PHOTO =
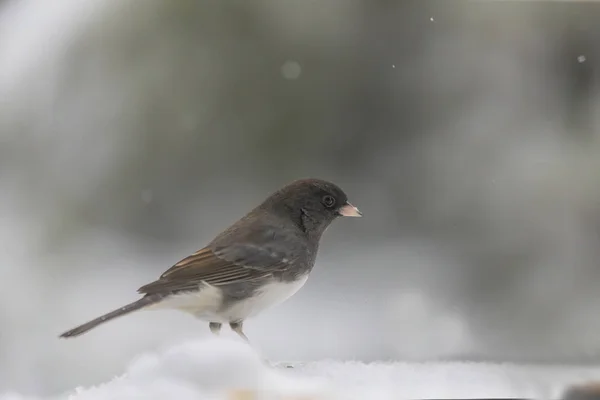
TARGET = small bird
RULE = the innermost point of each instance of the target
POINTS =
(259, 261)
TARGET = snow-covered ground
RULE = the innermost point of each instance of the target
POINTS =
(220, 368)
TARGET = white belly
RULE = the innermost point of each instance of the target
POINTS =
(270, 295)
(207, 303)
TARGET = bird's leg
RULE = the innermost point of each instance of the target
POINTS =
(215, 328)
(238, 327)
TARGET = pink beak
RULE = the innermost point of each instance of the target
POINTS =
(348, 210)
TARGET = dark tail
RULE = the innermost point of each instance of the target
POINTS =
(136, 305)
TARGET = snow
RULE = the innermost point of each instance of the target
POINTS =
(220, 369)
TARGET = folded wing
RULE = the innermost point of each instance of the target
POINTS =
(234, 263)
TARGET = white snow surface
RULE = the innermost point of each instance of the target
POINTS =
(219, 368)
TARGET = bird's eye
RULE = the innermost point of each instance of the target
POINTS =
(328, 201)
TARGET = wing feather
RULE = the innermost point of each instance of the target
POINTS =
(232, 257)
(205, 266)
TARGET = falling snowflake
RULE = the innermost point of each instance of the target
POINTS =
(291, 70)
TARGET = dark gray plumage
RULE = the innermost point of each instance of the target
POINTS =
(259, 261)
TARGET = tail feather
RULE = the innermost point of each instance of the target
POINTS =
(136, 305)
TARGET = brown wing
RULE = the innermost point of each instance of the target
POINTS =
(204, 266)
(201, 267)
(231, 258)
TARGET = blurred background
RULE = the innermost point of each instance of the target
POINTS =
(467, 132)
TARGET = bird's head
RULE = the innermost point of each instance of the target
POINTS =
(311, 203)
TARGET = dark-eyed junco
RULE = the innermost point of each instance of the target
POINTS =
(259, 261)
